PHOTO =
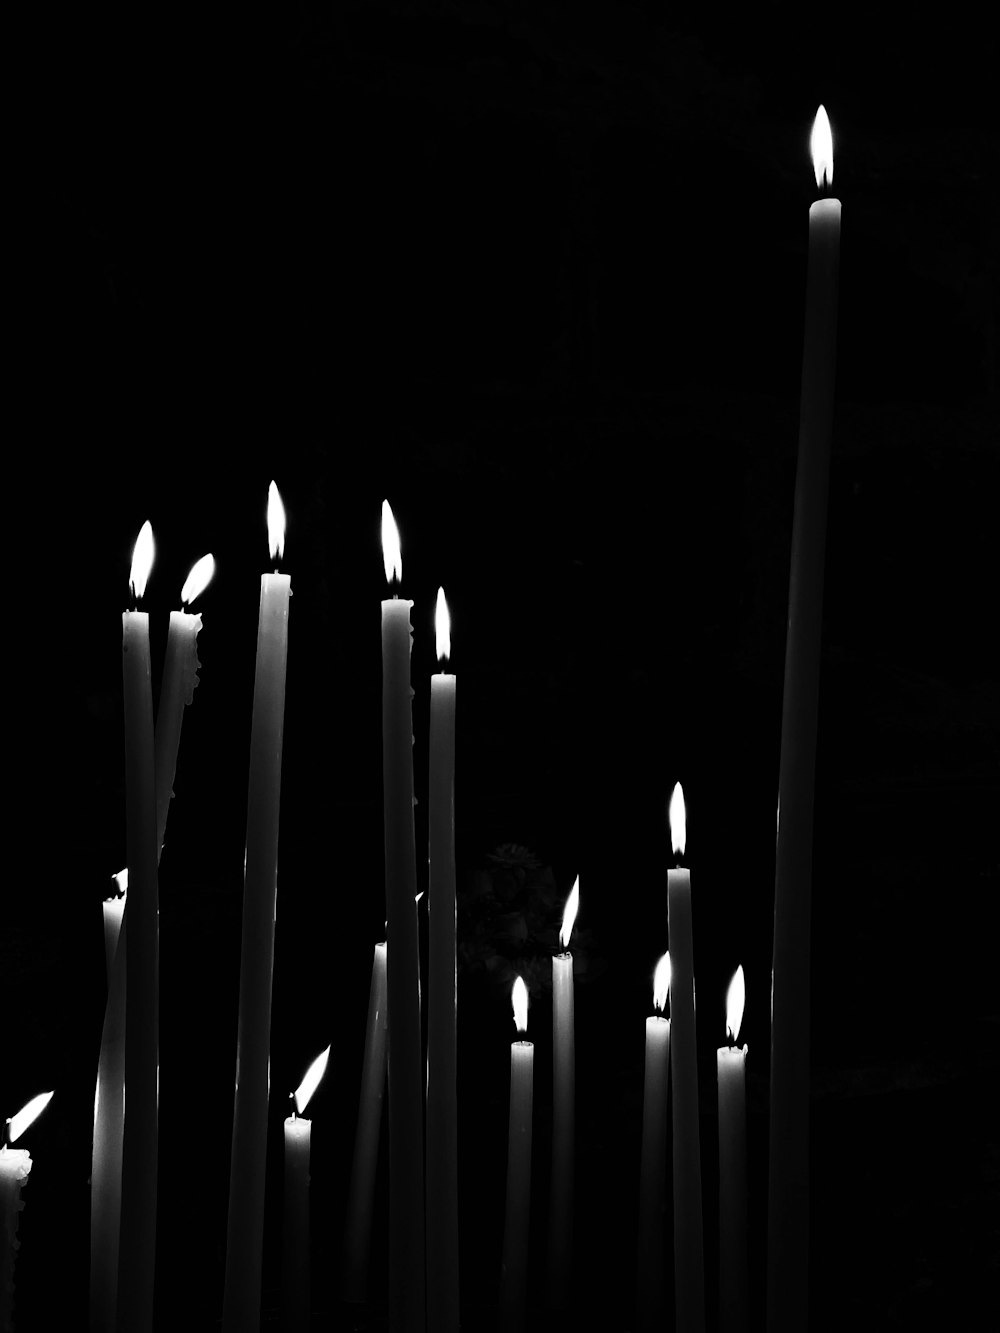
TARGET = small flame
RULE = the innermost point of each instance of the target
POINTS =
(678, 820)
(442, 627)
(27, 1115)
(142, 560)
(569, 914)
(198, 579)
(275, 523)
(392, 556)
(661, 983)
(305, 1090)
(821, 147)
(519, 1000)
(735, 1000)
(121, 881)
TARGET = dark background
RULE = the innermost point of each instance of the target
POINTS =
(534, 272)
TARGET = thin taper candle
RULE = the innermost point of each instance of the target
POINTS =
(296, 1304)
(517, 1215)
(734, 1314)
(650, 1308)
(559, 1270)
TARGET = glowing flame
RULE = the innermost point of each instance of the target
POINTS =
(569, 914)
(142, 560)
(305, 1090)
(442, 627)
(821, 147)
(27, 1115)
(275, 523)
(678, 820)
(121, 880)
(519, 1001)
(735, 1000)
(198, 579)
(392, 556)
(661, 983)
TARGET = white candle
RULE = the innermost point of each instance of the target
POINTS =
(514, 1264)
(689, 1261)
(442, 999)
(406, 1091)
(650, 1313)
(733, 1282)
(137, 1247)
(295, 1295)
(560, 1240)
(15, 1167)
(788, 1183)
(244, 1240)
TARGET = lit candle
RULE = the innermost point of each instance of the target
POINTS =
(689, 1270)
(442, 998)
(357, 1235)
(406, 1092)
(137, 1246)
(295, 1298)
(732, 1059)
(15, 1167)
(650, 1313)
(244, 1240)
(514, 1265)
(560, 1246)
(788, 1184)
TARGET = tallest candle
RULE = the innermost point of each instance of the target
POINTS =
(788, 1177)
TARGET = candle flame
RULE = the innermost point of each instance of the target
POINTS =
(519, 1001)
(121, 882)
(142, 560)
(678, 820)
(392, 555)
(735, 1002)
(821, 147)
(305, 1090)
(275, 523)
(661, 983)
(569, 914)
(198, 579)
(27, 1115)
(442, 627)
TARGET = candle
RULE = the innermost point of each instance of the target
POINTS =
(244, 1240)
(15, 1167)
(788, 1183)
(733, 1284)
(137, 1245)
(406, 1092)
(295, 1297)
(357, 1236)
(689, 1273)
(560, 1240)
(650, 1314)
(514, 1265)
(442, 999)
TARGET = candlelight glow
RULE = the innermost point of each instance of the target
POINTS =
(121, 882)
(442, 627)
(199, 578)
(519, 1000)
(27, 1115)
(309, 1084)
(678, 820)
(392, 556)
(142, 560)
(821, 147)
(661, 983)
(735, 1002)
(569, 914)
(275, 523)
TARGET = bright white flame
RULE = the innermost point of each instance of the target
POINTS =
(198, 579)
(121, 879)
(569, 914)
(678, 820)
(661, 983)
(736, 998)
(27, 1115)
(309, 1084)
(275, 523)
(392, 556)
(142, 560)
(442, 627)
(519, 1000)
(821, 147)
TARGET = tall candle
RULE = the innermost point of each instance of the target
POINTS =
(733, 1282)
(560, 1240)
(442, 999)
(689, 1262)
(357, 1235)
(295, 1294)
(137, 1244)
(15, 1167)
(788, 1176)
(514, 1264)
(650, 1312)
(406, 1092)
(244, 1240)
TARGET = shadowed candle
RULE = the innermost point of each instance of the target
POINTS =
(295, 1296)
(560, 1240)
(650, 1312)
(517, 1217)
(733, 1280)
(15, 1167)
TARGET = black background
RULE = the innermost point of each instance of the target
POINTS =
(535, 273)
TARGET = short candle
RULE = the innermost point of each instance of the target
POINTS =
(15, 1167)
(650, 1316)
(560, 1247)
(733, 1281)
(295, 1294)
(517, 1218)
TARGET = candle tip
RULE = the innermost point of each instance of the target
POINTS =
(735, 1004)
(519, 1002)
(569, 914)
(442, 627)
(142, 560)
(303, 1093)
(27, 1115)
(821, 147)
(677, 815)
(392, 556)
(198, 579)
(661, 983)
(275, 523)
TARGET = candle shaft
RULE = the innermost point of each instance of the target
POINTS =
(650, 1311)
(295, 1298)
(180, 676)
(560, 1231)
(15, 1167)
(733, 1280)
(514, 1265)
(109, 1128)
